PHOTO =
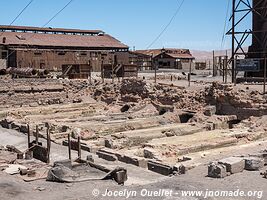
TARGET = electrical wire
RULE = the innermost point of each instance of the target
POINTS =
(57, 13)
(52, 18)
(225, 25)
(167, 26)
(22, 11)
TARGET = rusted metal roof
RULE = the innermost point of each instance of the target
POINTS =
(49, 29)
(175, 53)
(60, 40)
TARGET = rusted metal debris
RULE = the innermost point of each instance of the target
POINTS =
(24, 72)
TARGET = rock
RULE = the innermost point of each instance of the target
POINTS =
(14, 169)
(40, 188)
(253, 163)
(210, 110)
(90, 158)
(216, 170)
(264, 174)
(75, 133)
(109, 143)
(169, 133)
(181, 169)
(151, 154)
(233, 164)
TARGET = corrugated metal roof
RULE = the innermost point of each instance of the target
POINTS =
(175, 53)
(61, 40)
(49, 29)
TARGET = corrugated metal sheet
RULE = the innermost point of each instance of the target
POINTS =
(61, 40)
(49, 29)
(175, 53)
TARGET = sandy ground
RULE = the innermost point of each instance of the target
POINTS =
(13, 188)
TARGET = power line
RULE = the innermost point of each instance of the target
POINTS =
(22, 11)
(166, 27)
(225, 25)
(53, 17)
(58, 13)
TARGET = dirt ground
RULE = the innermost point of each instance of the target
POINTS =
(168, 123)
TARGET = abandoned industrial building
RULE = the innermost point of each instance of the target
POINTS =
(167, 58)
(55, 49)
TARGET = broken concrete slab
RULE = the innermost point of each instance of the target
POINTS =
(233, 164)
(253, 163)
(216, 170)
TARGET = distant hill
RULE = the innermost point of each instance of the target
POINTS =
(203, 56)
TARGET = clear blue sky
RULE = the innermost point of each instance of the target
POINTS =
(199, 24)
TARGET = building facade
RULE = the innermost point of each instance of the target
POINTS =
(53, 48)
(170, 58)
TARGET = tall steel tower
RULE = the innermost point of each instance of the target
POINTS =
(241, 11)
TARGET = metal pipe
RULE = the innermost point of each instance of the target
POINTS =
(22, 71)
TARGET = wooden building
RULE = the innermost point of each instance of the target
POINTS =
(55, 48)
(170, 58)
(143, 61)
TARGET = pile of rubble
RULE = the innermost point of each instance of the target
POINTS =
(227, 94)
(132, 90)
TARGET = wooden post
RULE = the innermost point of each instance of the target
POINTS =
(69, 146)
(226, 69)
(79, 148)
(213, 66)
(37, 135)
(102, 71)
(264, 84)
(155, 68)
(29, 135)
(48, 143)
(190, 71)
(112, 73)
(90, 71)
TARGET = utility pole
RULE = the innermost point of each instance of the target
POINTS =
(155, 68)
(190, 72)
(213, 66)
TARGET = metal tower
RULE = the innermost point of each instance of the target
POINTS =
(241, 10)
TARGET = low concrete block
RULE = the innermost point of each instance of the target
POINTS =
(160, 168)
(216, 170)
(106, 156)
(253, 163)
(133, 160)
(262, 155)
(233, 164)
